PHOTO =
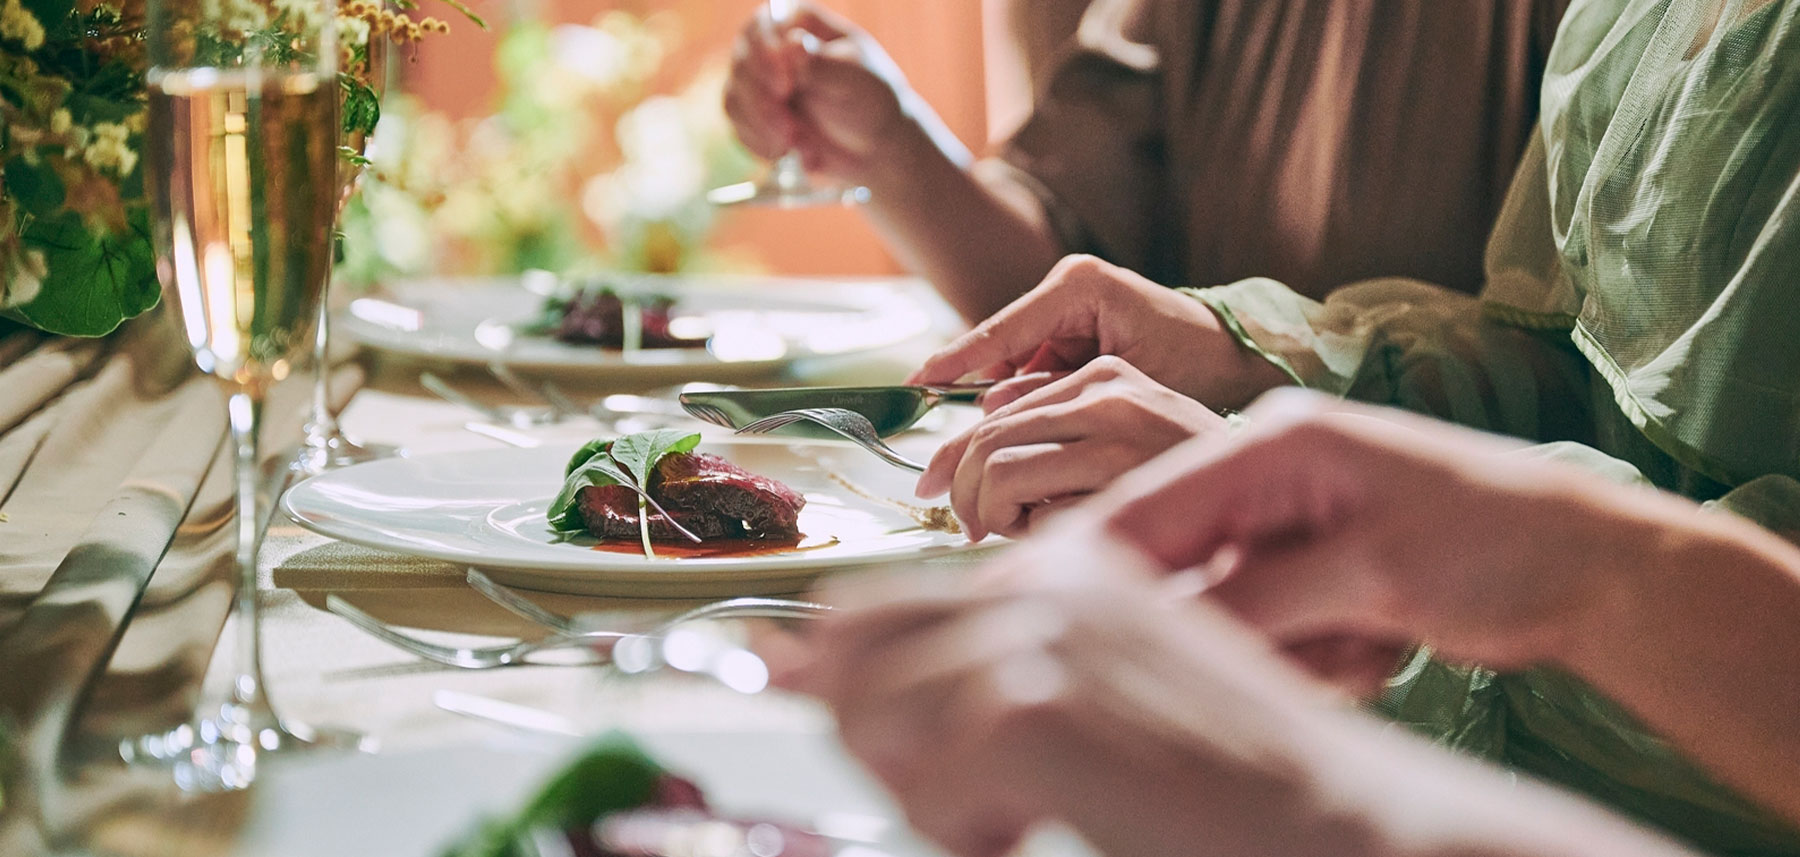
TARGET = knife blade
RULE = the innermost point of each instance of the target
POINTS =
(891, 409)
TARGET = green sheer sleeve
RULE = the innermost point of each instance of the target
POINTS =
(1415, 346)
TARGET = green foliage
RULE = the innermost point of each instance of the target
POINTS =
(362, 106)
(611, 775)
(54, 15)
(34, 186)
(467, 12)
(72, 203)
(96, 280)
(626, 461)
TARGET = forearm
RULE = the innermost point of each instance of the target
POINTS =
(981, 250)
(1354, 789)
(1702, 641)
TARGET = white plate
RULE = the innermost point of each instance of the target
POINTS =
(758, 324)
(486, 509)
(418, 804)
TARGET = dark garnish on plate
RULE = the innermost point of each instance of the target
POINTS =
(615, 801)
(653, 486)
(603, 316)
(611, 775)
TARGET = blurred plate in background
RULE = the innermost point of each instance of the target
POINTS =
(757, 325)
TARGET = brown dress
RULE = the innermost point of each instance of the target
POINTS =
(1317, 142)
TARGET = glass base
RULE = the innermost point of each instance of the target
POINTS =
(338, 450)
(220, 751)
(775, 195)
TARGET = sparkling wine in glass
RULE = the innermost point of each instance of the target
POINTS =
(786, 184)
(325, 446)
(241, 169)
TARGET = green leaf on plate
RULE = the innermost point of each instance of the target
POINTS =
(640, 452)
(626, 461)
(587, 451)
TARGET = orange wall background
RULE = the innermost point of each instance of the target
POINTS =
(939, 44)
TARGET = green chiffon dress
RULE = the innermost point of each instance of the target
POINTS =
(1641, 315)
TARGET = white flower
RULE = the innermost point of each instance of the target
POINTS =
(663, 170)
(353, 32)
(24, 279)
(301, 12)
(110, 149)
(17, 23)
(596, 55)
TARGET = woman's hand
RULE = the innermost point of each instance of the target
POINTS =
(1045, 445)
(1335, 525)
(820, 85)
(1087, 308)
(1151, 723)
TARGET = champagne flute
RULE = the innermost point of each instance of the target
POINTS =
(786, 184)
(326, 447)
(241, 165)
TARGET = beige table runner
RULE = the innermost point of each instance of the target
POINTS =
(111, 460)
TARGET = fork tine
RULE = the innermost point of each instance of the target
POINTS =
(519, 605)
(770, 423)
(849, 424)
(463, 658)
(443, 390)
(561, 401)
(705, 412)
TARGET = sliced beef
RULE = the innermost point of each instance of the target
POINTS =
(611, 512)
(710, 496)
(699, 481)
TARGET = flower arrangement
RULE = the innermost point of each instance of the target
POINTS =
(597, 156)
(75, 254)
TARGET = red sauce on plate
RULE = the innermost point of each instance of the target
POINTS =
(721, 548)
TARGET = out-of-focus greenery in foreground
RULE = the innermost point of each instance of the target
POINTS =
(612, 774)
(597, 157)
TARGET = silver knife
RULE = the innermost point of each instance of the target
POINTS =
(506, 713)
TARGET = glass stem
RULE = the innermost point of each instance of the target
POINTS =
(323, 425)
(247, 681)
(789, 173)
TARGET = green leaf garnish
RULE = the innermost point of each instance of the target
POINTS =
(626, 461)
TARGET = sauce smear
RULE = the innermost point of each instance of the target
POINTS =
(720, 548)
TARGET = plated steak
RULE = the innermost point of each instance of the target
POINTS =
(597, 317)
(712, 497)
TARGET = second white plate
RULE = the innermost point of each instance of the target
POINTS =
(758, 324)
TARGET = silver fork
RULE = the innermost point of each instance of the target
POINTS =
(521, 606)
(711, 413)
(584, 644)
(848, 423)
(580, 648)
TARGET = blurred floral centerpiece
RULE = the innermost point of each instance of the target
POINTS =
(75, 254)
(597, 156)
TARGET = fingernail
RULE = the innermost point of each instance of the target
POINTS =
(930, 485)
